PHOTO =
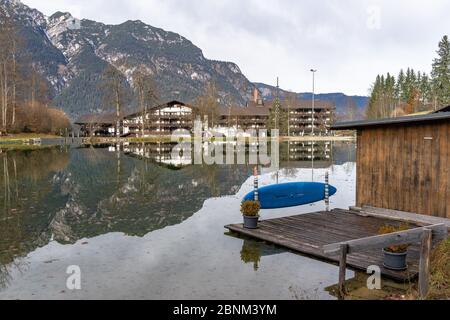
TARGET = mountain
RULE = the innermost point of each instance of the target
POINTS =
(72, 55)
(341, 100)
(36, 45)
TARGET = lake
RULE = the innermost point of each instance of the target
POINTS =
(142, 225)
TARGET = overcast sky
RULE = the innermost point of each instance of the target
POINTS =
(348, 42)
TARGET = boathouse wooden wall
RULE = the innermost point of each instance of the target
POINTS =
(405, 167)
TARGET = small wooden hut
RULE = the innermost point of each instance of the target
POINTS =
(404, 163)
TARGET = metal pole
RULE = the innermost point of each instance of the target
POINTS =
(327, 191)
(277, 104)
(312, 161)
(313, 100)
(256, 184)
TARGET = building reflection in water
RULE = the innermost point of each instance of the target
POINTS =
(159, 152)
(310, 150)
(67, 194)
(319, 154)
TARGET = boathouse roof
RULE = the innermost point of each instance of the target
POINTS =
(418, 119)
(444, 109)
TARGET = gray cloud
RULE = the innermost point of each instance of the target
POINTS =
(344, 40)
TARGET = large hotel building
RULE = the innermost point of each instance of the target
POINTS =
(163, 120)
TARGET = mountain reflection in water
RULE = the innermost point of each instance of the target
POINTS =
(66, 194)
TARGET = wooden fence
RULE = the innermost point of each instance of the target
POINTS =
(428, 236)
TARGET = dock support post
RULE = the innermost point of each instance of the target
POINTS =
(424, 266)
(256, 184)
(342, 270)
(327, 191)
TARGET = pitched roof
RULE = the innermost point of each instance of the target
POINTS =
(304, 104)
(251, 110)
(444, 109)
(170, 103)
(103, 118)
(254, 109)
(419, 119)
(111, 118)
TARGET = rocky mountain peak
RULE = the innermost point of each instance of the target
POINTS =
(73, 55)
(23, 13)
(61, 22)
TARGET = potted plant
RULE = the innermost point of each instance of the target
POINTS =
(250, 211)
(395, 256)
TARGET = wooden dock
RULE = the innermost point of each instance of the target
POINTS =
(308, 233)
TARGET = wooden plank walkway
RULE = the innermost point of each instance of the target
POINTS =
(308, 233)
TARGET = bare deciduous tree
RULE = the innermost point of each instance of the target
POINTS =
(24, 94)
(37, 87)
(208, 104)
(351, 110)
(146, 91)
(114, 88)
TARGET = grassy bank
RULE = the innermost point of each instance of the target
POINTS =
(21, 141)
(14, 146)
(23, 138)
(440, 272)
(439, 276)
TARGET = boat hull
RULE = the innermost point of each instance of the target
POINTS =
(290, 194)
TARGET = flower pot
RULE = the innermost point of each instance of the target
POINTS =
(251, 222)
(395, 261)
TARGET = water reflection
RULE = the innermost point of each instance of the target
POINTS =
(160, 153)
(63, 195)
(323, 153)
(26, 191)
(66, 195)
(252, 251)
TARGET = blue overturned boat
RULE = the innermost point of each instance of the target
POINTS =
(291, 194)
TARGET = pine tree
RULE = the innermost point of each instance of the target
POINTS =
(441, 74)
(399, 86)
(425, 91)
(412, 91)
(373, 110)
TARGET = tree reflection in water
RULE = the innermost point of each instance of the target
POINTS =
(26, 184)
(67, 194)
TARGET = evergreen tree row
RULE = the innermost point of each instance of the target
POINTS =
(411, 91)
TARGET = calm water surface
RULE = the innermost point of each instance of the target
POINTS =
(141, 225)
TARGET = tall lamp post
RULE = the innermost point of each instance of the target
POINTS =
(313, 100)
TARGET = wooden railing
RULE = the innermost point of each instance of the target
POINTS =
(427, 235)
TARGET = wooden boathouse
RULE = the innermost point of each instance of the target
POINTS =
(403, 163)
(403, 175)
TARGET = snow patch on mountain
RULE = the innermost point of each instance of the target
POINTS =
(60, 23)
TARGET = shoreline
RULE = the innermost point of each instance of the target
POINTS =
(107, 140)
(35, 140)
